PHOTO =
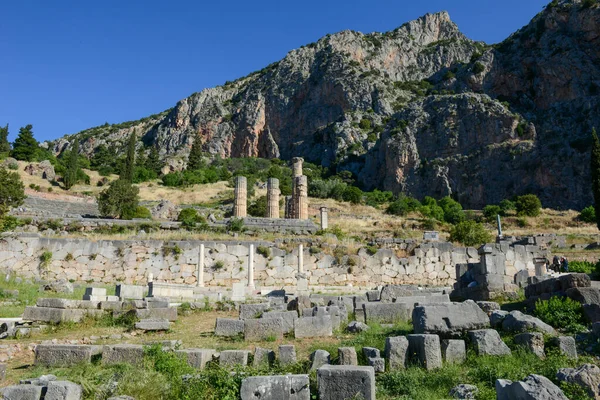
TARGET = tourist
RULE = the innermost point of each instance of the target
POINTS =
(564, 264)
(555, 264)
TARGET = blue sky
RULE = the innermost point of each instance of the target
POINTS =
(70, 64)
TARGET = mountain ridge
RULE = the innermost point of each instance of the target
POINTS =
(446, 115)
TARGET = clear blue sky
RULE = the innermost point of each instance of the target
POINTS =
(71, 64)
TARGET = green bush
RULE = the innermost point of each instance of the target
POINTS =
(377, 197)
(403, 206)
(507, 205)
(588, 215)
(189, 218)
(528, 205)
(432, 211)
(352, 194)
(142, 213)
(264, 251)
(236, 225)
(453, 211)
(258, 208)
(478, 68)
(490, 212)
(470, 233)
(562, 313)
(365, 124)
(584, 267)
(8, 223)
(120, 200)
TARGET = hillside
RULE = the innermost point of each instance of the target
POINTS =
(421, 109)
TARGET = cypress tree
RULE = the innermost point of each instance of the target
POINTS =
(4, 145)
(595, 170)
(153, 161)
(70, 177)
(195, 160)
(127, 174)
(25, 147)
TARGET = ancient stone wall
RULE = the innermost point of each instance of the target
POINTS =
(131, 261)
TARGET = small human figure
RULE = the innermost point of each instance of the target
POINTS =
(555, 264)
(565, 264)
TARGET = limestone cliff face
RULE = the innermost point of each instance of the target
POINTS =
(488, 122)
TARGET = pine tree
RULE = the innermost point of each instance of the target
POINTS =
(70, 177)
(153, 162)
(4, 144)
(25, 147)
(127, 174)
(195, 159)
(595, 169)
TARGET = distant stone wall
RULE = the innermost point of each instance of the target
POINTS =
(131, 261)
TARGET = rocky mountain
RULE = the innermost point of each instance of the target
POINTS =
(421, 109)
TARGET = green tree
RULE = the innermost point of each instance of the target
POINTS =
(120, 200)
(128, 168)
(4, 144)
(195, 159)
(470, 233)
(258, 208)
(70, 176)
(12, 191)
(153, 161)
(528, 205)
(25, 147)
(453, 211)
(595, 169)
(353, 194)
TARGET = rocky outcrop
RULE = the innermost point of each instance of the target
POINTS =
(446, 115)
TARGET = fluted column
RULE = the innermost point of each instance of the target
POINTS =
(301, 203)
(273, 198)
(240, 198)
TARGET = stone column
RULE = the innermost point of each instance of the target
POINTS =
(251, 267)
(200, 274)
(324, 221)
(272, 198)
(289, 200)
(301, 203)
(300, 259)
(240, 198)
(297, 166)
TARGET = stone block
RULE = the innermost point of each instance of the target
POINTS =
(282, 387)
(63, 390)
(157, 302)
(123, 354)
(197, 358)
(319, 358)
(132, 292)
(289, 319)
(565, 344)
(454, 351)
(67, 304)
(249, 311)
(377, 363)
(57, 315)
(229, 358)
(533, 387)
(373, 295)
(344, 382)
(2, 372)
(263, 358)
(263, 329)
(591, 312)
(347, 356)
(586, 376)
(169, 314)
(307, 327)
(426, 350)
(488, 342)
(396, 352)
(287, 354)
(111, 305)
(386, 313)
(153, 325)
(585, 295)
(497, 317)
(238, 291)
(229, 327)
(64, 355)
(22, 392)
(516, 321)
(488, 306)
(449, 319)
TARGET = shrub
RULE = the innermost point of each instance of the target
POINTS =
(142, 213)
(236, 225)
(432, 211)
(449, 75)
(453, 211)
(352, 194)
(189, 218)
(219, 265)
(470, 233)
(365, 124)
(12, 191)
(507, 205)
(8, 223)
(258, 208)
(478, 68)
(45, 258)
(490, 212)
(403, 206)
(372, 250)
(264, 251)
(377, 197)
(13, 166)
(528, 205)
(584, 267)
(563, 313)
(588, 215)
